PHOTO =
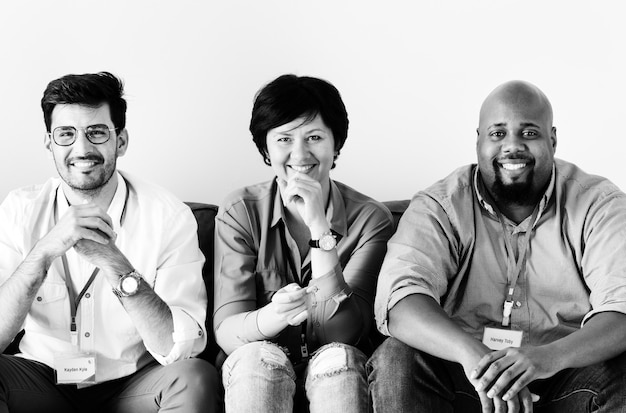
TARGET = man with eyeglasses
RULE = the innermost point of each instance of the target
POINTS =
(102, 271)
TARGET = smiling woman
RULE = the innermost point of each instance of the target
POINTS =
(298, 262)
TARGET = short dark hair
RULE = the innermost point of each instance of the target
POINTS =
(290, 97)
(90, 89)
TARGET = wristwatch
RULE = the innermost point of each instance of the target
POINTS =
(327, 242)
(128, 284)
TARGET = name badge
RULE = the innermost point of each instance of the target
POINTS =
(498, 338)
(75, 368)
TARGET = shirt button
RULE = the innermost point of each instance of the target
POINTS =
(39, 298)
(87, 334)
(518, 304)
(317, 324)
(87, 295)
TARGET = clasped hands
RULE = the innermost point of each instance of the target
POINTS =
(501, 378)
(89, 230)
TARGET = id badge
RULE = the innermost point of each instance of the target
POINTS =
(499, 338)
(75, 368)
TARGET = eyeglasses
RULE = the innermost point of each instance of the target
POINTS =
(96, 134)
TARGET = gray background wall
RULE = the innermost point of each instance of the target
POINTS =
(412, 73)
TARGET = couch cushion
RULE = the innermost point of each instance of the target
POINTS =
(205, 216)
(397, 208)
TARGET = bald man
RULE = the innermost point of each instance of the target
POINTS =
(504, 287)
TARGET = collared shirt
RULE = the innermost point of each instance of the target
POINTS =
(449, 245)
(255, 255)
(155, 231)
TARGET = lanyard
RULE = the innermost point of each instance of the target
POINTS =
(514, 267)
(75, 300)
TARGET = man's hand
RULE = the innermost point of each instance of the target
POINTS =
(522, 401)
(81, 222)
(506, 372)
(107, 257)
(306, 193)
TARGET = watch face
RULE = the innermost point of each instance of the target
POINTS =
(327, 242)
(129, 285)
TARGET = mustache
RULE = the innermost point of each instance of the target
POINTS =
(89, 157)
(512, 157)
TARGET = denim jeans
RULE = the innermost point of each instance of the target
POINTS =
(403, 379)
(184, 386)
(258, 377)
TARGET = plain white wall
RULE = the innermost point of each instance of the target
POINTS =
(412, 74)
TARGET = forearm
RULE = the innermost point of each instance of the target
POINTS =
(17, 295)
(243, 328)
(420, 322)
(150, 315)
(601, 338)
(322, 261)
(152, 318)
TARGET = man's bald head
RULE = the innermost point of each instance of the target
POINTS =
(516, 143)
(520, 95)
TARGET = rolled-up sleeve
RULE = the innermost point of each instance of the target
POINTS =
(180, 285)
(421, 257)
(235, 263)
(604, 257)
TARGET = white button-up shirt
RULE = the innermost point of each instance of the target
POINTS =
(158, 235)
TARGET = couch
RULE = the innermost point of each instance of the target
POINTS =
(205, 216)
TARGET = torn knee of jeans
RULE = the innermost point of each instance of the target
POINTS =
(273, 358)
(330, 362)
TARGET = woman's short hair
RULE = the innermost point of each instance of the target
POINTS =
(290, 97)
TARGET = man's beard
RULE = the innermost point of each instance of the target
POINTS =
(519, 193)
(90, 187)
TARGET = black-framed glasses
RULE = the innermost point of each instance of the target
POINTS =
(96, 134)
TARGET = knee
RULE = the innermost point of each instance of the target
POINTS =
(196, 374)
(334, 359)
(198, 380)
(257, 357)
(200, 373)
(393, 358)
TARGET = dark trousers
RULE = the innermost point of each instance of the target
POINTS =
(184, 386)
(403, 379)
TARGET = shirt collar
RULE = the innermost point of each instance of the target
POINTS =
(542, 204)
(335, 212)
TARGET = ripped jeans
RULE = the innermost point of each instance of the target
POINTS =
(259, 377)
